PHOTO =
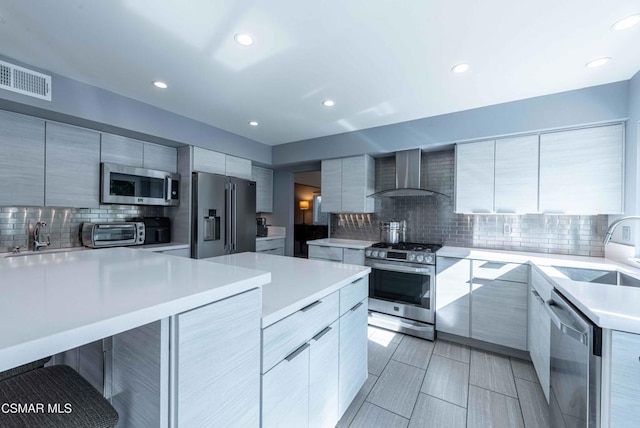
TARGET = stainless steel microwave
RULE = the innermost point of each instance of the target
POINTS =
(129, 185)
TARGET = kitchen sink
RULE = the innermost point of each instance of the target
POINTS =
(597, 276)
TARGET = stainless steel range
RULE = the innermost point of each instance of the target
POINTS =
(402, 287)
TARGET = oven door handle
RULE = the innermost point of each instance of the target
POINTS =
(403, 269)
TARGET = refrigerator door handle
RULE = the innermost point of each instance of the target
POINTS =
(234, 225)
(228, 238)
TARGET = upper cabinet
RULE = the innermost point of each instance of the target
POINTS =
(22, 160)
(475, 177)
(569, 172)
(264, 189)
(72, 167)
(218, 163)
(346, 184)
(581, 171)
(127, 151)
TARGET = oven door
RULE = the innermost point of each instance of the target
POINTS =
(405, 290)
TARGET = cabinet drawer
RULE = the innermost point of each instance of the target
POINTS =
(353, 257)
(541, 285)
(283, 337)
(269, 244)
(513, 272)
(325, 253)
(353, 293)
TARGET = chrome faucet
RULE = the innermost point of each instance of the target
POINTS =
(37, 236)
(615, 224)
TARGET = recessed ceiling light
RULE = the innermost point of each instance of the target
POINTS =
(598, 62)
(253, 123)
(627, 22)
(243, 39)
(328, 103)
(159, 84)
(460, 68)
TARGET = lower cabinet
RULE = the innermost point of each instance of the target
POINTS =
(539, 329)
(324, 378)
(453, 295)
(353, 354)
(351, 256)
(625, 380)
(270, 246)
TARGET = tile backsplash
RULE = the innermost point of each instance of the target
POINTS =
(432, 218)
(16, 223)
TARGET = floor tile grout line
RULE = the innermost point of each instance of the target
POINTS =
(491, 390)
(517, 394)
(446, 401)
(387, 410)
(421, 383)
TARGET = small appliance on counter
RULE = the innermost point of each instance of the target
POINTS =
(99, 235)
(261, 227)
(157, 229)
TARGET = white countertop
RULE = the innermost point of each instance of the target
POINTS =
(342, 243)
(608, 306)
(165, 247)
(295, 282)
(268, 238)
(58, 301)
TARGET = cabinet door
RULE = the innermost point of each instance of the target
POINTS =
(358, 178)
(323, 378)
(453, 295)
(499, 312)
(353, 354)
(353, 257)
(160, 157)
(218, 363)
(331, 183)
(264, 189)
(208, 161)
(22, 160)
(475, 177)
(121, 150)
(625, 380)
(516, 175)
(72, 167)
(539, 338)
(285, 392)
(238, 167)
(581, 171)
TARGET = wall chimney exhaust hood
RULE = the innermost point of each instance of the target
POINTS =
(407, 177)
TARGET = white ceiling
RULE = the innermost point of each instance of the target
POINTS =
(382, 61)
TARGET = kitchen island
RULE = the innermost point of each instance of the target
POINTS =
(314, 337)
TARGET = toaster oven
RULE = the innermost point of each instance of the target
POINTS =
(99, 235)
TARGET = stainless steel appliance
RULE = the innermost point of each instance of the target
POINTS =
(224, 215)
(402, 287)
(261, 227)
(157, 229)
(130, 185)
(392, 232)
(576, 366)
(99, 235)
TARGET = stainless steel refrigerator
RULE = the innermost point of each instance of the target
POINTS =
(224, 215)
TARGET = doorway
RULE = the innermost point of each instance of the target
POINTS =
(309, 221)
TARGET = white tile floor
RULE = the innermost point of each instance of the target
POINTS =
(417, 383)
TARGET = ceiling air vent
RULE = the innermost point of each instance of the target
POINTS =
(24, 81)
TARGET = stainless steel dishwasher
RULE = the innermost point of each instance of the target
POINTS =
(576, 367)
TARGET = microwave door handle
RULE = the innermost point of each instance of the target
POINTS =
(167, 188)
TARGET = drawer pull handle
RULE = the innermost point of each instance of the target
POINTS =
(311, 306)
(322, 333)
(537, 296)
(297, 352)
(356, 306)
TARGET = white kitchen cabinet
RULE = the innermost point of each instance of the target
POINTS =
(209, 161)
(22, 160)
(516, 175)
(264, 188)
(217, 369)
(539, 328)
(353, 354)
(285, 392)
(121, 150)
(351, 256)
(453, 295)
(159, 157)
(625, 380)
(475, 177)
(237, 167)
(323, 378)
(270, 246)
(346, 184)
(581, 171)
(72, 167)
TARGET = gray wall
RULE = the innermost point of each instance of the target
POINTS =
(583, 106)
(432, 219)
(88, 106)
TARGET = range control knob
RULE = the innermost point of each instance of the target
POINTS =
(420, 258)
(429, 258)
(411, 257)
(374, 254)
(382, 254)
(368, 253)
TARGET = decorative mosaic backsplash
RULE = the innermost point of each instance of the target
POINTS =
(16, 223)
(432, 218)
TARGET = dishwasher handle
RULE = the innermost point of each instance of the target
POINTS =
(553, 309)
